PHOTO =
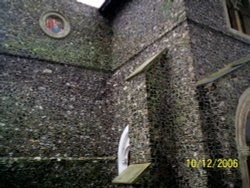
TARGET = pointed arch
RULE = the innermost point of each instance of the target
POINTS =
(242, 114)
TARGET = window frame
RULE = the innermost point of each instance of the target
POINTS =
(228, 23)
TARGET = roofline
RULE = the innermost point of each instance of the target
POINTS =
(110, 8)
(105, 5)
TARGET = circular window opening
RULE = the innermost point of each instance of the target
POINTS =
(54, 24)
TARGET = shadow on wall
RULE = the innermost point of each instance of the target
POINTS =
(213, 128)
(161, 117)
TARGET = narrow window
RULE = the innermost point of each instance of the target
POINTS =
(239, 15)
(248, 141)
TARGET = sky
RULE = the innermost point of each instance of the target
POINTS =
(94, 3)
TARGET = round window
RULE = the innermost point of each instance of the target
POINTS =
(54, 24)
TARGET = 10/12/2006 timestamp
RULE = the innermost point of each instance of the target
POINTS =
(212, 163)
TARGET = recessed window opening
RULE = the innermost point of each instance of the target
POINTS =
(93, 3)
(239, 15)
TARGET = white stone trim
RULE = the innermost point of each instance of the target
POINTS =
(123, 151)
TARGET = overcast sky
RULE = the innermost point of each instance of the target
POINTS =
(94, 3)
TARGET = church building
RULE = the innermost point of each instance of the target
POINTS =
(150, 93)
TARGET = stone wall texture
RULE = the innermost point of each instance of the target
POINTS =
(214, 45)
(63, 173)
(141, 24)
(128, 104)
(64, 103)
(55, 128)
(175, 128)
(51, 110)
(87, 44)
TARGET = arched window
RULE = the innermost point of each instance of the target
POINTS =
(123, 151)
(243, 136)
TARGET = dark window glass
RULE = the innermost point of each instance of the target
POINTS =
(239, 15)
(248, 131)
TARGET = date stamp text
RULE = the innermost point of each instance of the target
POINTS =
(212, 163)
